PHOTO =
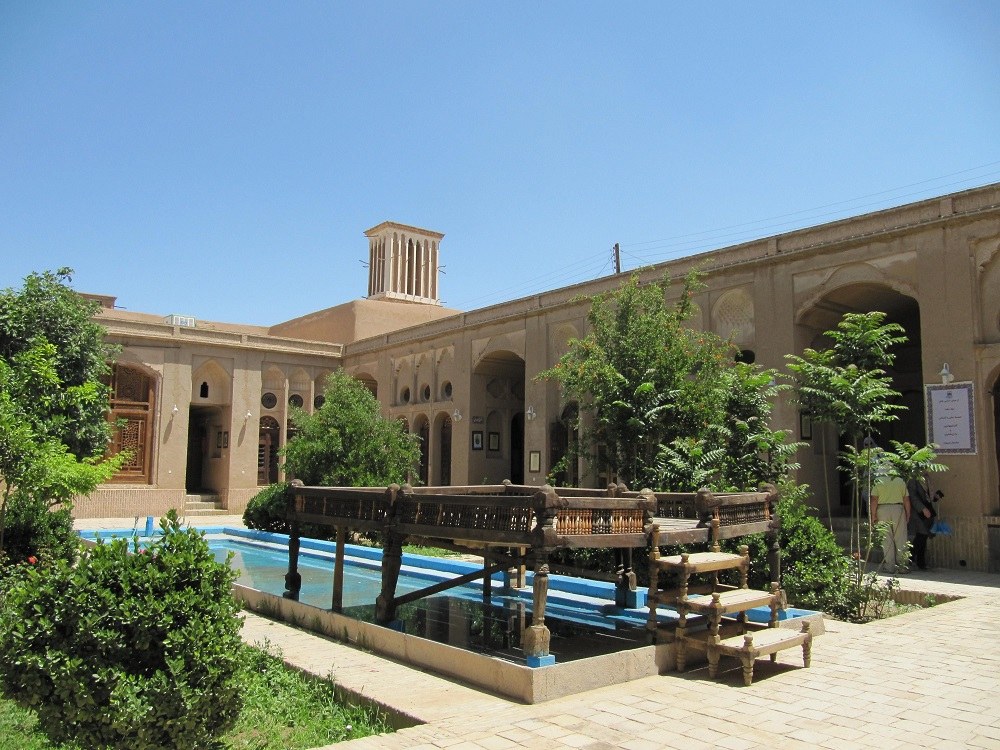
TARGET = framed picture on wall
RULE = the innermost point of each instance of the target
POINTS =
(494, 441)
(477, 440)
(535, 461)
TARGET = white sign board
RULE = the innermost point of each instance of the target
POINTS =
(951, 423)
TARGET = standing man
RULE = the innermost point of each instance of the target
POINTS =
(890, 507)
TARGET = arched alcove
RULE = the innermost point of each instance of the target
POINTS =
(824, 313)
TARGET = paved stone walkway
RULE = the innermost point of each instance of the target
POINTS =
(927, 679)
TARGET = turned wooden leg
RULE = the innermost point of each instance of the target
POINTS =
(392, 560)
(773, 545)
(715, 619)
(654, 581)
(747, 658)
(775, 605)
(680, 645)
(713, 657)
(535, 640)
(744, 566)
(747, 669)
(807, 643)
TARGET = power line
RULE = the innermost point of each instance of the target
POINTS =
(711, 239)
(595, 264)
(830, 205)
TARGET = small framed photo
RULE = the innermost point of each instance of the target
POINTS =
(225, 439)
(477, 440)
(494, 441)
(534, 461)
(805, 427)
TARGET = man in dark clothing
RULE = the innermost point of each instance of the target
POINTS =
(921, 520)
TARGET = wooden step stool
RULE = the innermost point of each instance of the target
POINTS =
(750, 646)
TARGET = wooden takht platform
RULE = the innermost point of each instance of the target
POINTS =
(517, 526)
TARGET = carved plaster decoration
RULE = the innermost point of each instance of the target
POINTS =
(498, 388)
(733, 316)
(855, 274)
(985, 251)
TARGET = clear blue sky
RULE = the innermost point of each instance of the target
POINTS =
(222, 160)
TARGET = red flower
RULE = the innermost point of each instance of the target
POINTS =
(32, 559)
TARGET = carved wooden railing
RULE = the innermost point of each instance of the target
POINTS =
(531, 522)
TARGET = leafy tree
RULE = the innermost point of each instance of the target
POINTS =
(847, 384)
(37, 469)
(53, 429)
(672, 408)
(46, 309)
(912, 462)
(347, 442)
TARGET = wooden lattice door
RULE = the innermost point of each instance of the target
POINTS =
(131, 415)
(267, 451)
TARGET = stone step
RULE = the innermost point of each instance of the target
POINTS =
(206, 512)
(203, 504)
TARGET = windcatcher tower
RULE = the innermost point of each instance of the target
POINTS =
(403, 263)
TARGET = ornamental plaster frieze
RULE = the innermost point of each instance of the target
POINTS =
(513, 342)
(985, 252)
(855, 274)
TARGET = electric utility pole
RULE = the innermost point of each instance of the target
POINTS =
(618, 259)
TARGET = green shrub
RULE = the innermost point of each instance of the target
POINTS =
(266, 509)
(266, 512)
(125, 650)
(814, 568)
(33, 529)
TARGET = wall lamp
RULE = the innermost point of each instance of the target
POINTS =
(175, 409)
(946, 376)
(456, 415)
(530, 413)
(248, 416)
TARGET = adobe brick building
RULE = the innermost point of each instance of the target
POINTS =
(207, 403)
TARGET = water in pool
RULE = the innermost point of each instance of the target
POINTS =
(458, 616)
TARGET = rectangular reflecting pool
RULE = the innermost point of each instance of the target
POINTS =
(580, 614)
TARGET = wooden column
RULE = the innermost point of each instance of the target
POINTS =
(338, 571)
(536, 638)
(293, 580)
(392, 560)
(487, 578)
